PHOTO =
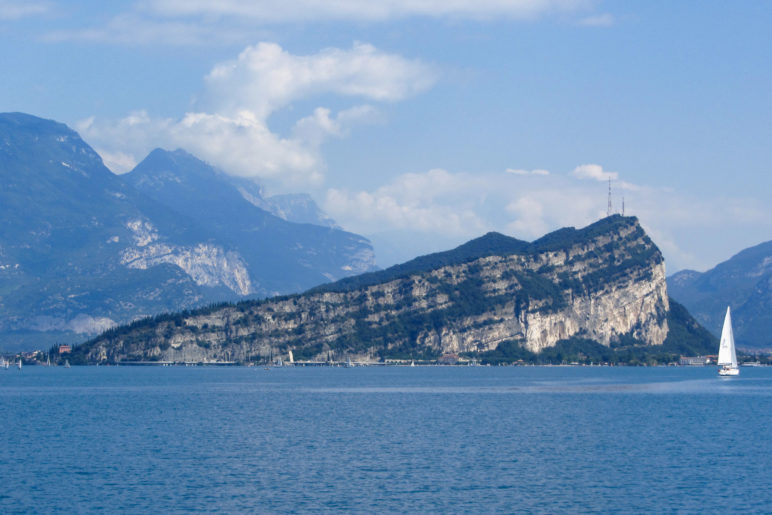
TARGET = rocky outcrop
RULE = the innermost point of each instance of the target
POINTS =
(206, 264)
(605, 282)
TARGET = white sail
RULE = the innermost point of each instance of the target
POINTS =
(726, 352)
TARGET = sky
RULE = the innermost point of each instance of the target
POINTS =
(422, 124)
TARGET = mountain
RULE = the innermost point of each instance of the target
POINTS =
(82, 249)
(495, 297)
(743, 282)
(280, 256)
(300, 208)
(295, 207)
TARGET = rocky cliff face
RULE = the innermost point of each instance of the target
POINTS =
(605, 282)
(206, 264)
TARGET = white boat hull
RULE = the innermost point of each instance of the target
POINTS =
(727, 371)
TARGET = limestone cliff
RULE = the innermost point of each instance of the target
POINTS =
(604, 282)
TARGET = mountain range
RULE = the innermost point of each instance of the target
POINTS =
(82, 249)
(743, 282)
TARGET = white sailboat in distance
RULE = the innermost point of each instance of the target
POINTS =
(727, 358)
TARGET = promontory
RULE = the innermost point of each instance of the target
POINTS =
(604, 283)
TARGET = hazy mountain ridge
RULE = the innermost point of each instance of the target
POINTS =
(292, 207)
(276, 252)
(81, 248)
(743, 282)
(604, 283)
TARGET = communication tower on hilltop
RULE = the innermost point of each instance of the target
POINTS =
(609, 209)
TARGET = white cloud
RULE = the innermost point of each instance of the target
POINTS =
(265, 77)
(320, 125)
(14, 9)
(245, 146)
(242, 145)
(312, 10)
(435, 201)
(117, 162)
(536, 211)
(232, 132)
(441, 203)
(593, 171)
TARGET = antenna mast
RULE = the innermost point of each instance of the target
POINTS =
(608, 210)
(623, 206)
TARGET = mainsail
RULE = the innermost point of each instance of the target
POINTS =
(726, 352)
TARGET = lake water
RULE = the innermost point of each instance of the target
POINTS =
(397, 439)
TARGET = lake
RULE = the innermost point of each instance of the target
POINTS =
(385, 439)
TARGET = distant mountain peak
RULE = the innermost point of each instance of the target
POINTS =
(34, 143)
(176, 156)
(177, 162)
(741, 282)
(299, 208)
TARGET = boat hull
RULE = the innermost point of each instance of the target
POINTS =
(728, 371)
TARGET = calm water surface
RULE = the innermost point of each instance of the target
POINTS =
(423, 439)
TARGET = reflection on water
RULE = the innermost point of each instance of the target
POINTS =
(691, 387)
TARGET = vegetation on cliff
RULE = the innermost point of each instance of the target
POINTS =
(496, 244)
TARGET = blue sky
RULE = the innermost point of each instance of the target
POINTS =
(423, 124)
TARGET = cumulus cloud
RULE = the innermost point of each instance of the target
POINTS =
(321, 125)
(231, 129)
(242, 145)
(537, 211)
(435, 201)
(266, 77)
(117, 162)
(595, 172)
(311, 10)
(462, 204)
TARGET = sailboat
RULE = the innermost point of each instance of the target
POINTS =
(727, 357)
